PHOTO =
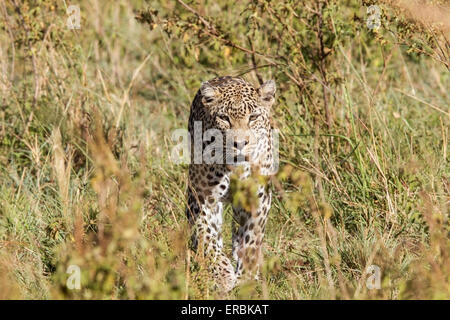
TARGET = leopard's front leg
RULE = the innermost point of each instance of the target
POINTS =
(204, 213)
(248, 234)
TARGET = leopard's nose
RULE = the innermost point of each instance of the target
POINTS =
(240, 144)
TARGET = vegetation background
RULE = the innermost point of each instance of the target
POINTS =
(86, 117)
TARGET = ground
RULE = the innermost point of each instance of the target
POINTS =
(87, 116)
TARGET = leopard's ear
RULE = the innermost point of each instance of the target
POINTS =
(267, 92)
(208, 93)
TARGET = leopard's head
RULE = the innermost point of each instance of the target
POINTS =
(241, 113)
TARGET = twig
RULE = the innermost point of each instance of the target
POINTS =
(257, 67)
(424, 102)
(253, 58)
(212, 31)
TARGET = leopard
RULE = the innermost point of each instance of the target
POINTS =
(233, 108)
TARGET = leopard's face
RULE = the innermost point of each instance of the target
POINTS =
(242, 132)
(242, 114)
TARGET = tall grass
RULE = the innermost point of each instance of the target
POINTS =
(86, 118)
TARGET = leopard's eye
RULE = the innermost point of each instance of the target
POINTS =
(254, 116)
(224, 118)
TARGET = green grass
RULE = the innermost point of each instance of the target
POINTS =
(86, 118)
